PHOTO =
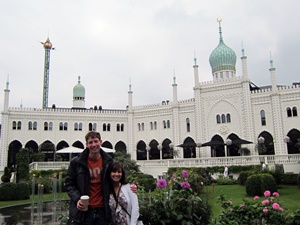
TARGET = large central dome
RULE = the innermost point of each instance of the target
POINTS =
(79, 90)
(222, 57)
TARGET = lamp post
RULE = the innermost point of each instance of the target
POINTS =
(148, 148)
(159, 147)
(228, 142)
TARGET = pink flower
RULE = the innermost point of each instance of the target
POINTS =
(213, 184)
(276, 194)
(267, 193)
(185, 174)
(173, 175)
(265, 210)
(265, 202)
(161, 183)
(185, 185)
(242, 205)
(230, 202)
(276, 206)
(256, 197)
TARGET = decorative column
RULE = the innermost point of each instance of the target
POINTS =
(148, 148)
(159, 147)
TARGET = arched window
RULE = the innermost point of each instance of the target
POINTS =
(155, 125)
(80, 126)
(90, 126)
(143, 126)
(19, 125)
(223, 118)
(164, 124)
(228, 119)
(218, 118)
(14, 125)
(118, 127)
(29, 125)
(94, 126)
(61, 126)
(295, 111)
(45, 125)
(75, 126)
(263, 117)
(50, 126)
(139, 127)
(168, 124)
(108, 127)
(34, 125)
(188, 125)
(65, 126)
(104, 127)
(122, 127)
(151, 126)
(289, 112)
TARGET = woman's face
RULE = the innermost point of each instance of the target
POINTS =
(116, 176)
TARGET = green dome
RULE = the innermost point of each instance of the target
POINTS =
(78, 90)
(222, 57)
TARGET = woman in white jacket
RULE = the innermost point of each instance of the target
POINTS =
(123, 202)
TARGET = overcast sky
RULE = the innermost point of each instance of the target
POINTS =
(110, 43)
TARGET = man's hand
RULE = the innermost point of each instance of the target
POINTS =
(134, 188)
(80, 205)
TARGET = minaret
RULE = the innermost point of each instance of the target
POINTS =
(175, 98)
(244, 63)
(130, 125)
(273, 75)
(4, 129)
(196, 74)
(47, 46)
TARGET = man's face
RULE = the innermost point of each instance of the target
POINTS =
(94, 145)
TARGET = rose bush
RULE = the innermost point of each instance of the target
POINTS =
(174, 202)
(261, 210)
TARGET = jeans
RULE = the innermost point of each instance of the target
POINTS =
(94, 217)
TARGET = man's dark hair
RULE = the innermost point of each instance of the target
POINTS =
(92, 134)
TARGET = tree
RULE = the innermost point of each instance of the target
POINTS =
(129, 165)
(23, 165)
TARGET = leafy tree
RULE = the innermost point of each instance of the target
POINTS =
(129, 165)
(23, 165)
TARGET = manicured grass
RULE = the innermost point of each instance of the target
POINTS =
(289, 196)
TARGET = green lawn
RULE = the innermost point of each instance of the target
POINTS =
(289, 196)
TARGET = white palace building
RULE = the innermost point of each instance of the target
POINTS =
(228, 121)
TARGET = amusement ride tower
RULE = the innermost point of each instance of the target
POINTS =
(48, 47)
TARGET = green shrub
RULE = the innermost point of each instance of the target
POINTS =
(13, 191)
(225, 181)
(243, 177)
(277, 173)
(256, 184)
(253, 185)
(6, 176)
(23, 165)
(290, 178)
(267, 183)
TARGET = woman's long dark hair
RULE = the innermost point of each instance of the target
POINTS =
(114, 167)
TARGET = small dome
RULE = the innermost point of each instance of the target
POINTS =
(222, 57)
(47, 44)
(78, 90)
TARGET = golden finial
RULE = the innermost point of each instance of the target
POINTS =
(219, 20)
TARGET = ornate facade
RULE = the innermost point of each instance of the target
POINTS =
(227, 117)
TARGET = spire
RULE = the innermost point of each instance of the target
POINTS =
(271, 61)
(78, 79)
(174, 78)
(7, 82)
(195, 59)
(129, 84)
(243, 50)
(220, 29)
